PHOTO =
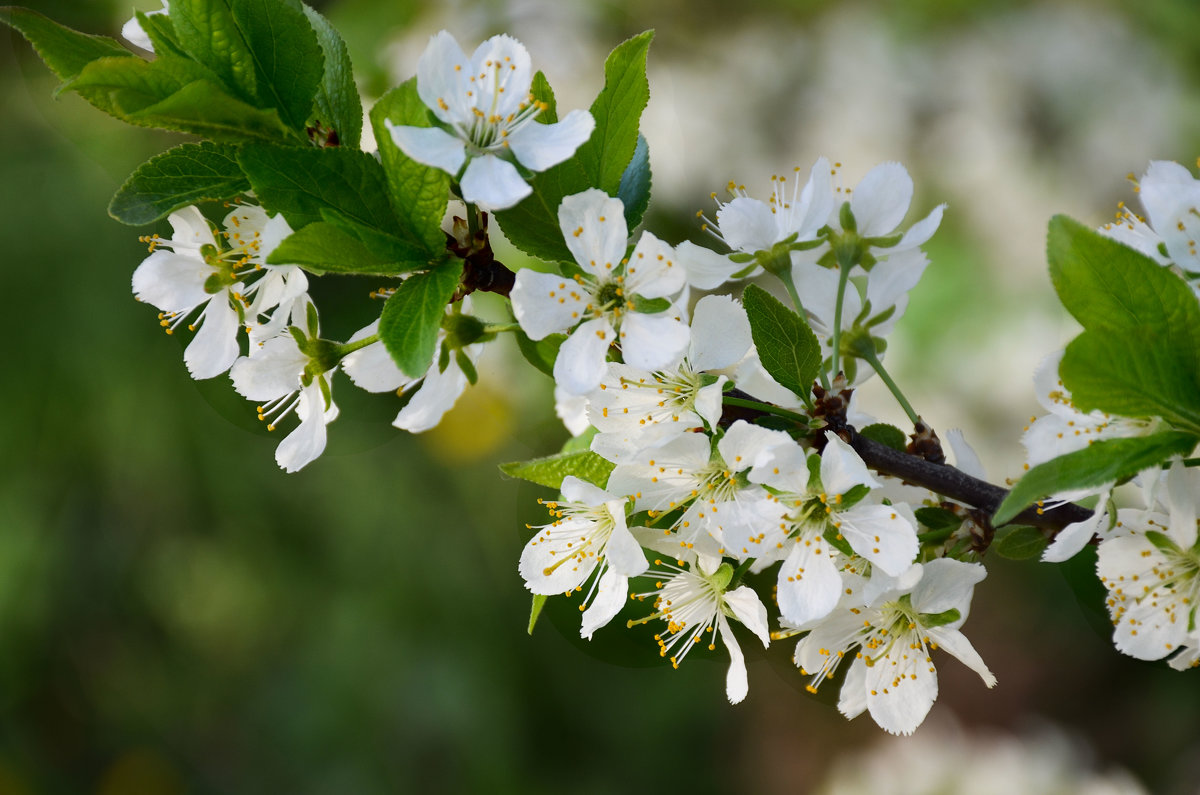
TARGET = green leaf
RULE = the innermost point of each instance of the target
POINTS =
(1019, 542)
(541, 91)
(532, 225)
(618, 112)
(634, 190)
(535, 610)
(208, 33)
(161, 32)
(551, 470)
(337, 102)
(1105, 461)
(786, 345)
(203, 108)
(411, 318)
(301, 182)
(122, 86)
(886, 434)
(938, 518)
(185, 175)
(418, 193)
(324, 248)
(541, 354)
(383, 245)
(1139, 354)
(931, 620)
(288, 60)
(63, 50)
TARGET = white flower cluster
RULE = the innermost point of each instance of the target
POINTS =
(697, 499)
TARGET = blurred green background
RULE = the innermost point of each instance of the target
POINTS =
(179, 616)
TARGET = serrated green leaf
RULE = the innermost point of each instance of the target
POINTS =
(337, 103)
(301, 182)
(634, 191)
(63, 50)
(324, 248)
(418, 193)
(787, 347)
(411, 318)
(1019, 542)
(203, 108)
(1139, 354)
(208, 33)
(618, 112)
(161, 32)
(1105, 461)
(128, 85)
(551, 470)
(541, 354)
(288, 60)
(185, 175)
(383, 245)
(886, 434)
(541, 91)
(938, 518)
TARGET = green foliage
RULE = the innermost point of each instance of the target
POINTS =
(208, 33)
(540, 354)
(1019, 542)
(885, 434)
(288, 61)
(412, 316)
(64, 51)
(932, 620)
(535, 610)
(326, 248)
(181, 176)
(602, 162)
(337, 102)
(551, 470)
(938, 518)
(419, 193)
(786, 345)
(1139, 353)
(634, 190)
(1105, 461)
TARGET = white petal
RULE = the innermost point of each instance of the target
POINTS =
(214, 349)
(372, 368)
(271, 372)
(881, 199)
(540, 146)
(841, 468)
(172, 282)
(708, 402)
(705, 269)
(307, 441)
(1182, 494)
(436, 395)
(744, 445)
(612, 593)
(579, 367)
(890, 281)
(747, 608)
(852, 698)
(965, 458)
(737, 684)
(1074, 537)
(809, 585)
(441, 78)
(546, 303)
(720, 333)
(597, 245)
(652, 271)
(577, 490)
(132, 32)
(922, 230)
(899, 700)
(881, 535)
(956, 644)
(493, 184)
(748, 225)
(947, 584)
(190, 229)
(503, 75)
(431, 146)
(624, 554)
(572, 410)
(653, 342)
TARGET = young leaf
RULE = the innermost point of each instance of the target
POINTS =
(634, 191)
(618, 112)
(551, 470)
(185, 175)
(1019, 542)
(161, 32)
(301, 182)
(208, 33)
(412, 316)
(337, 102)
(541, 354)
(1105, 461)
(63, 50)
(1139, 354)
(288, 61)
(886, 434)
(205, 109)
(787, 347)
(542, 92)
(418, 193)
(324, 248)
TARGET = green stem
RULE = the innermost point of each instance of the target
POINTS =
(472, 219)
(871, 358)
(767, 408)
(843, 280)
(742, 568)
(500, 328)
(351, 347)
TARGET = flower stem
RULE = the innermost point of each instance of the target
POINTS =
(742, 568)
(767, 408)
(472, 220)
(870, 357)
(500, 328)
(351, 347)
(843, 280)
